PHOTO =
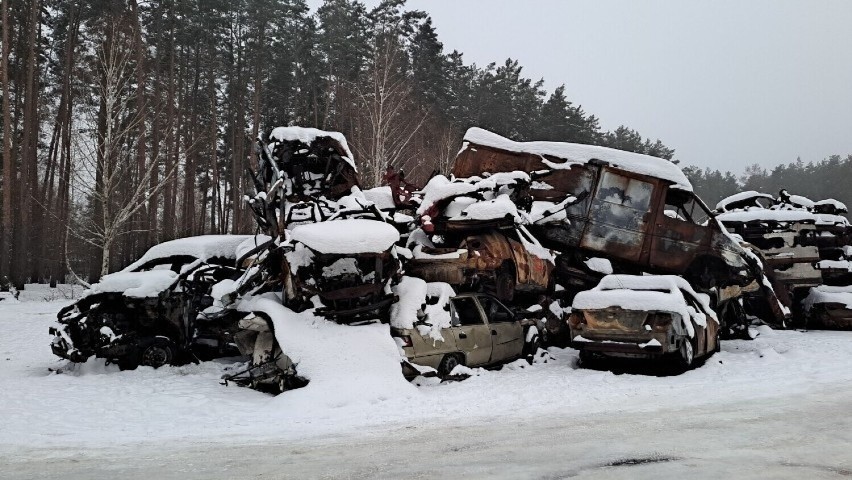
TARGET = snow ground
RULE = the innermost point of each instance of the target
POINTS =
(778, 404)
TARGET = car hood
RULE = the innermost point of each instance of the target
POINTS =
(135, 284)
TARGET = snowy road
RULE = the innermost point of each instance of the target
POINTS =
(800, 436)
(777, 407)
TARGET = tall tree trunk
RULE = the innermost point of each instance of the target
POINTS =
(29, 142)
(6, 240)
(143, 215)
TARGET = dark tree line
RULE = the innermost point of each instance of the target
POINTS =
(130, 122)
(820, 180)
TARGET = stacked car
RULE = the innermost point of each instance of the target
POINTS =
(808, 246)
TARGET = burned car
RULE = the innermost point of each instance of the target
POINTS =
(349, 264)
(472, 329)
(656, 316)
(502, 264)
(146, 314)
(587, 201)
(828, 307)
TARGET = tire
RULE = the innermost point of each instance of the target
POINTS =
(448, 363)
(587, 359)
(504, 284)
(686, 354)
(156, 353)
(531, 347)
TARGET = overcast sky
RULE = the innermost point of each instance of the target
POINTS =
(725, 83)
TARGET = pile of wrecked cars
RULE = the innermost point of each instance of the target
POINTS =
(475, 269)
(808, 247)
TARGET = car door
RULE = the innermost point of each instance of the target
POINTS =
(618, 216)
(473, 337)
(507, 335)
(681, 231)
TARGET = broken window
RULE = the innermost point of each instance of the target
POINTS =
(684, 206)
(466, 311)
(495, 311)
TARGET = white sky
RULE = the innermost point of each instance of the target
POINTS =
(725, 82)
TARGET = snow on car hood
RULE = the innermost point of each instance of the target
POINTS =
(134, 284)
(347, 237)
(202, 247)
(578, 153)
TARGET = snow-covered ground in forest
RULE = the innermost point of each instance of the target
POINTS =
(95, 406)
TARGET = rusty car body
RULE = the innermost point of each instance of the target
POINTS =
(636, 210)
(502, 264)
(658, 316)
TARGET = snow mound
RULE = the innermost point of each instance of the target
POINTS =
(347, 237)
(497, 208)
(577, 153)
(309, 135)
(382, 197)
(135, 284)
(837, 205)
(202, 247)
(346, 365)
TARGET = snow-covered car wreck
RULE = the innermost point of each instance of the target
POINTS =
(658, 316)
(147, 313)
(806, 244)
(636, 210)
(349, 264)
(330, 240)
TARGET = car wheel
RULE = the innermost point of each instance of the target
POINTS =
(448, 364)
(157, 353)
(587, 359)
(531, 348)
(686, 354)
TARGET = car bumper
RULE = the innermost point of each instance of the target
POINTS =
(649, 347)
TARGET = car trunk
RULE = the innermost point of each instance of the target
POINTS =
(616, 320)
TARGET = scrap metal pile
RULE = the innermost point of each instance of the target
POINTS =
(474, 269)
(807, 244)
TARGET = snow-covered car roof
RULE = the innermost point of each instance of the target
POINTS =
(838, 205)
(771, 215)
(347, 237)
(575, 153)
(661, 293)
(742, 197)
(827, 294)
(310, 135)
(203, 247)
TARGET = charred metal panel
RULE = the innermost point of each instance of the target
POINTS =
(618, 216)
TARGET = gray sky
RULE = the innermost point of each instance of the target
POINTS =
(727, 83)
